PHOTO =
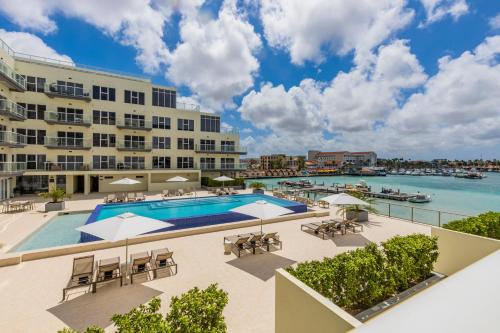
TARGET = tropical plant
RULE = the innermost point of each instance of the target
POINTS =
(143, 319)
(486, 225)
(55, 194)
(257, 185)
(207, 181)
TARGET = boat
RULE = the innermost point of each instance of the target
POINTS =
(420, 198)
(470, 175)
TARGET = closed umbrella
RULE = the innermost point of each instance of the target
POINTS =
(343, 199)
(223, 179)
(122, 227)
(262, 209)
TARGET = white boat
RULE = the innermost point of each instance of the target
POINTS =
(420, 198)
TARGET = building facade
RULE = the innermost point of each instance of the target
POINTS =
(280, 161)
(80, 129)
(341, 158)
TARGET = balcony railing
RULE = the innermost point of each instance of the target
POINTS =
(66, 166)
(12, 139)
(217, 149)
(64, 91)
(12, 110)
(133, 146)
(67, 143)
(13, 80)
(219, 167)
(136, 124)
(187, 106)
(12, 167)
(53, 117)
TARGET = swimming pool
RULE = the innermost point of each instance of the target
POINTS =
(182, 213)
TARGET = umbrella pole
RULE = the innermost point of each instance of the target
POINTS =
(261, 226)
(126, 260)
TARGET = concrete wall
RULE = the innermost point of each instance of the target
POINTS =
(299, 309)
(458, 250)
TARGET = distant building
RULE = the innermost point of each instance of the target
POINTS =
(280, 161)
(341, 158)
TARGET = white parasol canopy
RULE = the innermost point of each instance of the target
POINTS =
(177, 179)
(262, 209)
(344, 199)
(125, 181)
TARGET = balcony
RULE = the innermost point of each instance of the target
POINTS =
(65, 166)
(222, 167)
(12, 168)
(187, 106)
(11, 78)
(63, 91)
(53, 117)
(127, 145)
(134, 124)
(67, 143)
(12, 110)
(217, 149)
(12, 139)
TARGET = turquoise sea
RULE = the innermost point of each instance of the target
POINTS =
(450, 194)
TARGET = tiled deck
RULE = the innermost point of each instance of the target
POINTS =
(32, 291)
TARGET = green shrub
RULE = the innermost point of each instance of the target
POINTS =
(91, 329)
(359, 279)
(209, 182)
(143, 319)
(257, 185)
(486, 225)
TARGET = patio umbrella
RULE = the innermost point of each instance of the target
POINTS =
(223, 179)
(179, 179)
(122, 227)
(343, 199)
(125, 181)
(262, 209)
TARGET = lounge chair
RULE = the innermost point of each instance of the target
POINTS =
(110, 198)
(352, 224)
(82, 274)
(162, 259)
(232, 191)
(238, 242)
(323, 204)
(108, 270)
(140, 263)
(271, 238)
(317, 228)
(131, 197)
(335, 225)
(120, 197)
(140, 196)
(165, 193)
(180, 192)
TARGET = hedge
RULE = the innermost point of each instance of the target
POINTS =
(486, 225)
(209, 182)
(360, 279)
(197, 311)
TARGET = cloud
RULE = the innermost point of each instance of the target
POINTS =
(308, 30)
(216, 57)
(27, 43)
(438, 9)
(494, 22)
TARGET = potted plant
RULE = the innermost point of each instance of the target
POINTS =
(258, 187)
(56, 195)
(359, 212)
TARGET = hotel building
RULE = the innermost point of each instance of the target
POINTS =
(80, 129)
(341, 158)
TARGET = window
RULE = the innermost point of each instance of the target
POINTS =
(185, 125)
(33, 136)
(70, 139)
(161, 162)
(210, 124)
(160, 142)
(70, 115)
(227, 146)
(133, 162)
(161, 122)
(134, 97)
(36, 84)
(34, 111)
(134, 141)
(227, 163)
(103, 140)
(134, 120)
(103, 162)
(207, 145)
(103, 93)
(185, 163)
(68, 89)
(33, 161)
(70, 162)
(185, 144)
(104, 117)
(207, 163)
(164, 97)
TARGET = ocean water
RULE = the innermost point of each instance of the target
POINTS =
(449, 194)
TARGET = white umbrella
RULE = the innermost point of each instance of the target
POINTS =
(262, 209)
(122, 227)
(177, 179)
(223, 179)
(125, 181)
(344, 199)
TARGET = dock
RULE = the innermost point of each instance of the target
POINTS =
(336, 190)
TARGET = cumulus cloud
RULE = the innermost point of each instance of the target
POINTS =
(438, 9)
(494, 22)
(27, 43)
(309, 29)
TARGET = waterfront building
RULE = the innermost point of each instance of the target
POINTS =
(341, 158)
(281, 161)
(80, 128)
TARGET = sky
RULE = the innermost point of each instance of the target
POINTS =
(415, 79)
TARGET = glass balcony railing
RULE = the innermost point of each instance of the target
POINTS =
(67, 143)
(133, 145)
(137, 124)
(12, 139)
(12, 110)
(67, 118)
(225, 166)
(14, 80)
(218, 149)
(12, 167)
(67, 91)
(131, 165)
(187, 106)
(66, 166)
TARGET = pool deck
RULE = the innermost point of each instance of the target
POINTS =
(32, 290)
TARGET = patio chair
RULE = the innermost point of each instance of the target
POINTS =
(120, 197)
(140, 263)
(323, 204)
(108, 270)
(335, 225)
(5, 206)
(271, 238)
(131, 197)
(232, 191)
(352, 224)
(140, 196)
(238, 242)
(165, 193)
(82, 274)
(162, 259)
(180, 192)
(110, 198)
(317, 228)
